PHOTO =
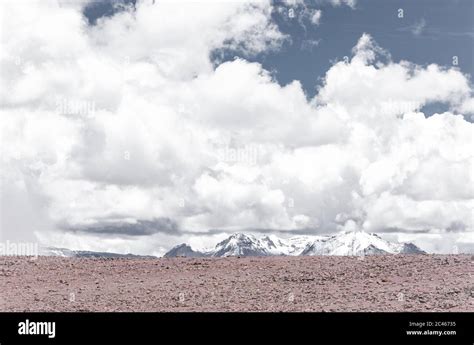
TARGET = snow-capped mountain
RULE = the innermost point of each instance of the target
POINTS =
(358, 243)
(298, 244)
(248, 245)
(245, 245)
(344, 243)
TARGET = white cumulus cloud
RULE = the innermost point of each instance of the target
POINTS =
(130, 120)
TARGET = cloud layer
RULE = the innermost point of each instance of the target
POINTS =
(127, 131)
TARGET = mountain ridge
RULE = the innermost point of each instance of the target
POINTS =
(345, 243)
(64, 252)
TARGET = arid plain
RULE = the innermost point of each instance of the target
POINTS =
(319, 283)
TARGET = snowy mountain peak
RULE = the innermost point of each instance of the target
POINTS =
(273, 243)
(240, 244)
(357, 243)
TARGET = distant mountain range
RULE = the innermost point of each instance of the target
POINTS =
(52, 251)
(344, 243)
(240, 244)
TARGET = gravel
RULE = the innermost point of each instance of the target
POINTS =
(321, 283)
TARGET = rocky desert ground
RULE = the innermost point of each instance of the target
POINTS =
(320, 283)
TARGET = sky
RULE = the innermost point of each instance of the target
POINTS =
(427, 31)
(135, 126)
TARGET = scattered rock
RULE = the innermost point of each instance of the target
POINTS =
(428, 282)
